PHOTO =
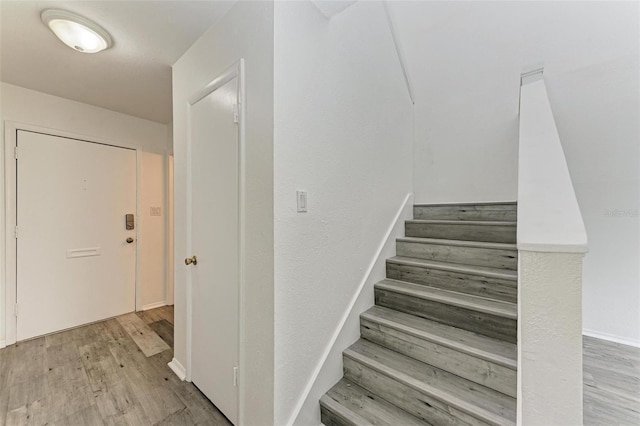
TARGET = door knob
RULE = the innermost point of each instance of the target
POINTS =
(191, 260)
(129, 240)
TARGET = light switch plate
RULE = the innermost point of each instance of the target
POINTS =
(302, 201)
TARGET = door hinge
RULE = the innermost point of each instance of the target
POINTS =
(235, 376)
(15, 310)
(16, 232)
(236, 113)
(15, 152)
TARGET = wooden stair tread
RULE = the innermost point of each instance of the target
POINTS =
(477, 345)
(485, 271)
(459, 243)
(478, 401)
(482, 204)
(463, 222)
(358, 406)
(461, 300)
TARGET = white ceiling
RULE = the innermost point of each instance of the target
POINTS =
(133, 77)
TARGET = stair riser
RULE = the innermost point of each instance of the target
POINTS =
(409, 399)
(465, 283)
(478, 256)
(507, 212)
(462, 231)
(329, 418)
(491, 375)
(478, 322)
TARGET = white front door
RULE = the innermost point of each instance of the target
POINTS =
(214, 241)
(74, 264)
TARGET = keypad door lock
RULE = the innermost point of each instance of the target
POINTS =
(129, 222)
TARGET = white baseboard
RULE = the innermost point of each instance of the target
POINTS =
(3, 344)
(153, 306)
(612, 338)
(178, 369)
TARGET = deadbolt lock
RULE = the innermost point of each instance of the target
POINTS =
(191, 261)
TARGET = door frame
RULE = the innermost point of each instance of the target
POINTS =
(9, 256)
(234, 71)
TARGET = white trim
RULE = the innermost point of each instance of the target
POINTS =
(235, 71)
(10, 186)
(140, 220)
(395, 230)
(466, 203)
(242, 114)
(152, 306)
(3, 344)
(168, 296)
(9, 256)
(178, 369)
(612, 338)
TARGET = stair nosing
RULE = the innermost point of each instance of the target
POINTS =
(443, 341)
(485, 271)
(449, 297)
(342, 411)
(463, 222)
(486, 203)
(459, 243)
(432, 391)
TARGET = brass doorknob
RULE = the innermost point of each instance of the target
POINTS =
(191, 260)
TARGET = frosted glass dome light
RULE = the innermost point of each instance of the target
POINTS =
(77, 32)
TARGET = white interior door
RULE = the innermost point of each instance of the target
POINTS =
(74, 264)
(214, 240)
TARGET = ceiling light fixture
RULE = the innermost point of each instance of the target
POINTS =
(77, 32)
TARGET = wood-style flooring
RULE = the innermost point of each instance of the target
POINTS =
(109, 373)
(611, 374)
(115, 373)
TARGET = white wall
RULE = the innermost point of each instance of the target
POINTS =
(37, 108)
(342, 133)
(465, 59)
(153, 249)
(34, 108)
(597, 112)
(245, 32)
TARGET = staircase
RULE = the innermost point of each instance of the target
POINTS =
(439, 346)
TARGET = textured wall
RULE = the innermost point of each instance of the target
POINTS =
(549, 339)
(343, 134)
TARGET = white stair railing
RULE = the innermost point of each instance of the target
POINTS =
(552, 242)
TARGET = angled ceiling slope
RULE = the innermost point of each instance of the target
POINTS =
(132, 77)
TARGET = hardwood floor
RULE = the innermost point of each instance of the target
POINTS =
(611, 383)
(109, 373)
